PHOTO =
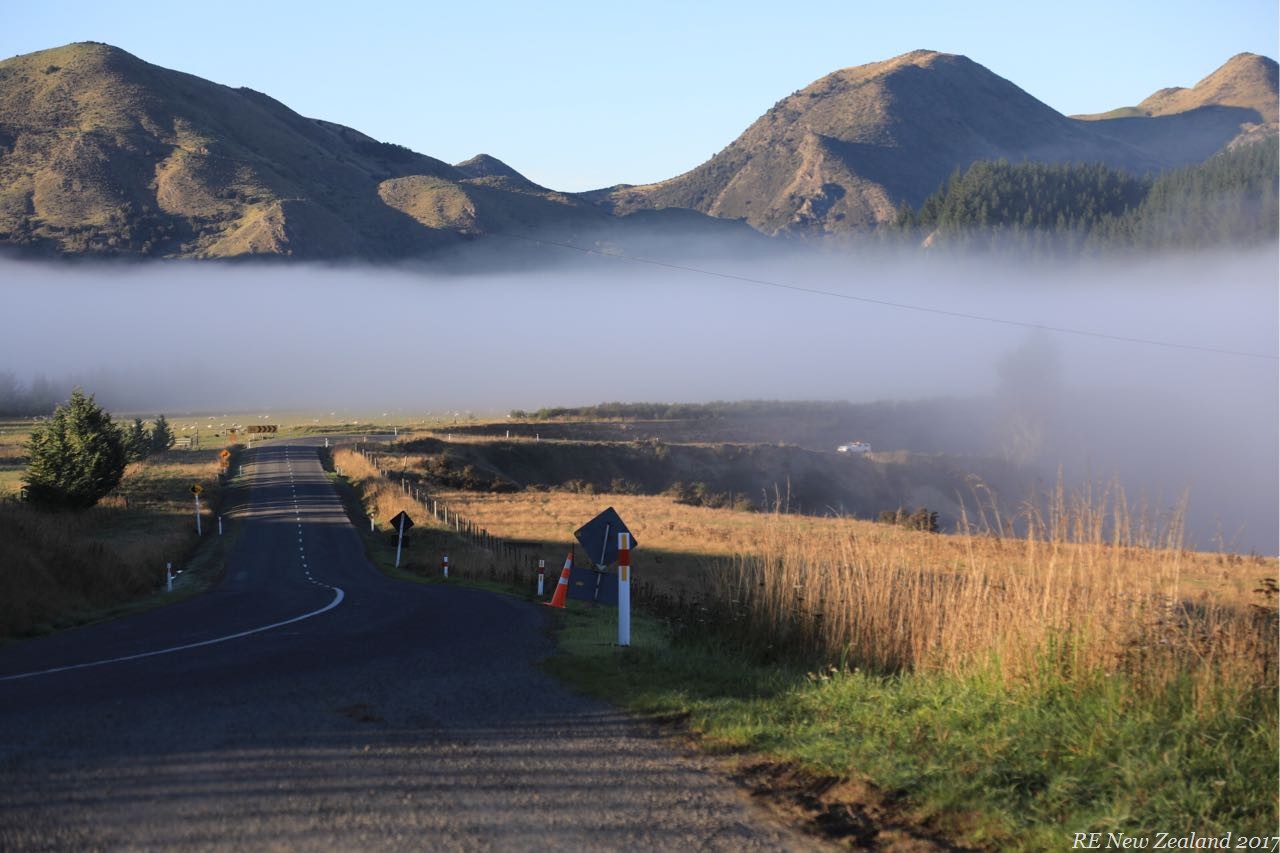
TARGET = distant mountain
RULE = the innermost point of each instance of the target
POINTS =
(1234, 105)
(486, 166)
(844, 152)
(103, 153)
(100, 151)
(1247, 81)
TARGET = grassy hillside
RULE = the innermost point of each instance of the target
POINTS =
(843, 152)
(106, 153)
(1246, 81)
(103, 153)
(1236, 102)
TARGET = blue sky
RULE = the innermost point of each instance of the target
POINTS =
(579, 95)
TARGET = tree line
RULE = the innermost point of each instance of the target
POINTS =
(37, 397)
(1231, 199)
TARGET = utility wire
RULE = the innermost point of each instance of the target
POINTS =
(1063, 330)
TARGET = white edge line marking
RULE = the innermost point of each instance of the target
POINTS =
(338, 595)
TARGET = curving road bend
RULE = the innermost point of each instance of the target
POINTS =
(309, 702)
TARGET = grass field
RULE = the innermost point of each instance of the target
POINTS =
(680, 544)
(13, 460)
(65, 568)
(291, 423)
(1003, 692)
(211, 431)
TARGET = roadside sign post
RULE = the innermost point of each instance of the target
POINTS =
(168, 577)
(196, 489)
(607, 540)
(542, 574)
(219, 525)
(401, 522)
(624, 589)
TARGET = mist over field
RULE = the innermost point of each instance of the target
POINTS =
(180, 337)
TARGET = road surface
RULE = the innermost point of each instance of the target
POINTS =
(309, 702)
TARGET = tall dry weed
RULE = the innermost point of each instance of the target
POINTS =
(1090, 588)
(57, 567)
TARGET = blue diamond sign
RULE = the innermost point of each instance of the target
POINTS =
(599, 537)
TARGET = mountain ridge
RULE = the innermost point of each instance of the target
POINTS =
(842, 153)
(1242, 81)
(104, 153)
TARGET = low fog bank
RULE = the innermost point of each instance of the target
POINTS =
(184, 336)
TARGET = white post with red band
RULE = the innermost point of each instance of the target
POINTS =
(444, 564)
(542, 574)
(624, 589)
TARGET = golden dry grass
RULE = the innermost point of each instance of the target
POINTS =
(60, 565)
(1089, 587)
(1032, 609)
(677, 539)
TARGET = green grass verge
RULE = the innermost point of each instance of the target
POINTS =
(973, 759)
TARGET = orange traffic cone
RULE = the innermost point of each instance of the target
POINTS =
(562, 588)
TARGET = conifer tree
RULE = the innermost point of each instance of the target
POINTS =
(76, 457)
(137, 442)
(161, 435)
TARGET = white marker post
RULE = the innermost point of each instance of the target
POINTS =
(624, 589)
(444, 563)
(168, 577)
(542, 575)
(370, 522)
(400, 539)
(219, 525)
(199, 532)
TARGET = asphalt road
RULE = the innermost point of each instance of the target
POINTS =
(309, 702)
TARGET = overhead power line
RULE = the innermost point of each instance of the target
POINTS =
(905, 306)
